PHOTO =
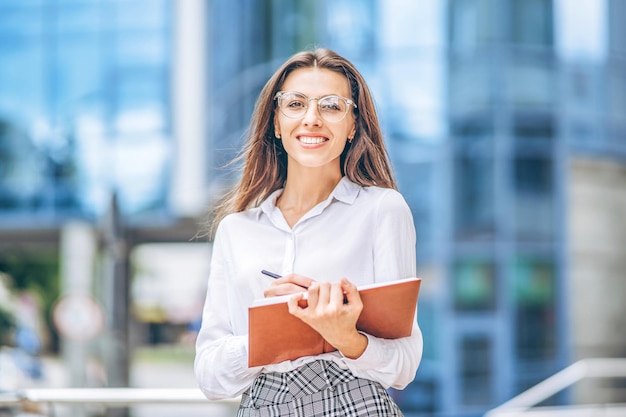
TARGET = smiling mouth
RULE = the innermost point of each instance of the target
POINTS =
(312, 140)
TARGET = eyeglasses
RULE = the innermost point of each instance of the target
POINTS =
(331, 108)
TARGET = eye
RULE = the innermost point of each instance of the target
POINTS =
(332, 104)
(295, 103)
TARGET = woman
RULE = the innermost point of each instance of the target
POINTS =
(317, 204)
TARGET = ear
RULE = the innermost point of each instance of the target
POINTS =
(352, 131)
(276, 128)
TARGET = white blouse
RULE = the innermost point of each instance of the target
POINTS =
(365, 234)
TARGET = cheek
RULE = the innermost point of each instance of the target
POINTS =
(284, 125)
(276, 124)
(350, 131)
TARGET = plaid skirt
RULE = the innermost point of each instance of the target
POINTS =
(317, 389)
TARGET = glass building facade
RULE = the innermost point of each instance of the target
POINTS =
(483, 104)
(84, 106)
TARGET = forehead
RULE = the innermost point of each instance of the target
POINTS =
(317, 82)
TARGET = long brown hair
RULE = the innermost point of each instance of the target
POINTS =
(364, 161)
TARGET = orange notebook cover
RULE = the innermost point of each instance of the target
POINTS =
(275, 336)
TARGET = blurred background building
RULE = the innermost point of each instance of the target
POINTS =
(506, 121)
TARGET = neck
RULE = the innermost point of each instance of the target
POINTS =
(307, 188)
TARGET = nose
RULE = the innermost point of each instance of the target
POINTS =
(312, 116)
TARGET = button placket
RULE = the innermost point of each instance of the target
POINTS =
(289, 258)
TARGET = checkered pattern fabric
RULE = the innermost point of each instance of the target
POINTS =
(317, 389)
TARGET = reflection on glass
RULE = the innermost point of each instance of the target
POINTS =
(534, 309)
(532, 22)
(534, 197)
(529, 128)
(474, 196)
(476, 370)
(99, 64)
(474, 286)
(471, 24)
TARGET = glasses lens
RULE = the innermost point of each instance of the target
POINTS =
(332, 108)
(292, 104)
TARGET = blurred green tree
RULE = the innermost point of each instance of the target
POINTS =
(35, 271)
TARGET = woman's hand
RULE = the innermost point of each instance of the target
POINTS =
(288, 284)
(333, 310)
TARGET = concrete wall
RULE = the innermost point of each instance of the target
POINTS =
(597, 268)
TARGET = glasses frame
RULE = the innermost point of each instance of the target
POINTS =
(279, 95)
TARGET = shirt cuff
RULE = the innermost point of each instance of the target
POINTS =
(372, 357)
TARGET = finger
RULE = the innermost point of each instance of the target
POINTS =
(282, 286)
(282, 289)
(337, 293)
(279, 282)
(324, 296)
(301, 280)
(293, 288)
(282, 280)
(350, 291)
(314, 294)
(293, 280)
(292, 303)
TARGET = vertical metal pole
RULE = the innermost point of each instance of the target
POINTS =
(191, 118)
(78, 251)
(116, 300)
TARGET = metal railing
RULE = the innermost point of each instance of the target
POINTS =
(524, 405)
(113, 397)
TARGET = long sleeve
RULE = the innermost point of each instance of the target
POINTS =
(393, 363)
(221, 356)
(363, 233)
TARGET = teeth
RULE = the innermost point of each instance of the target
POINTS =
(311, 141)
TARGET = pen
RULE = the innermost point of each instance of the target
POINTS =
(270, 274)
(274, 275)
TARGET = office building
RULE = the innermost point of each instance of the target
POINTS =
(506, 121)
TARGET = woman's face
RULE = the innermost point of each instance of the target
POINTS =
(310, 140)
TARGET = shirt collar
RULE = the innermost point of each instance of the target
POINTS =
(345, 191)
(269, 204)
